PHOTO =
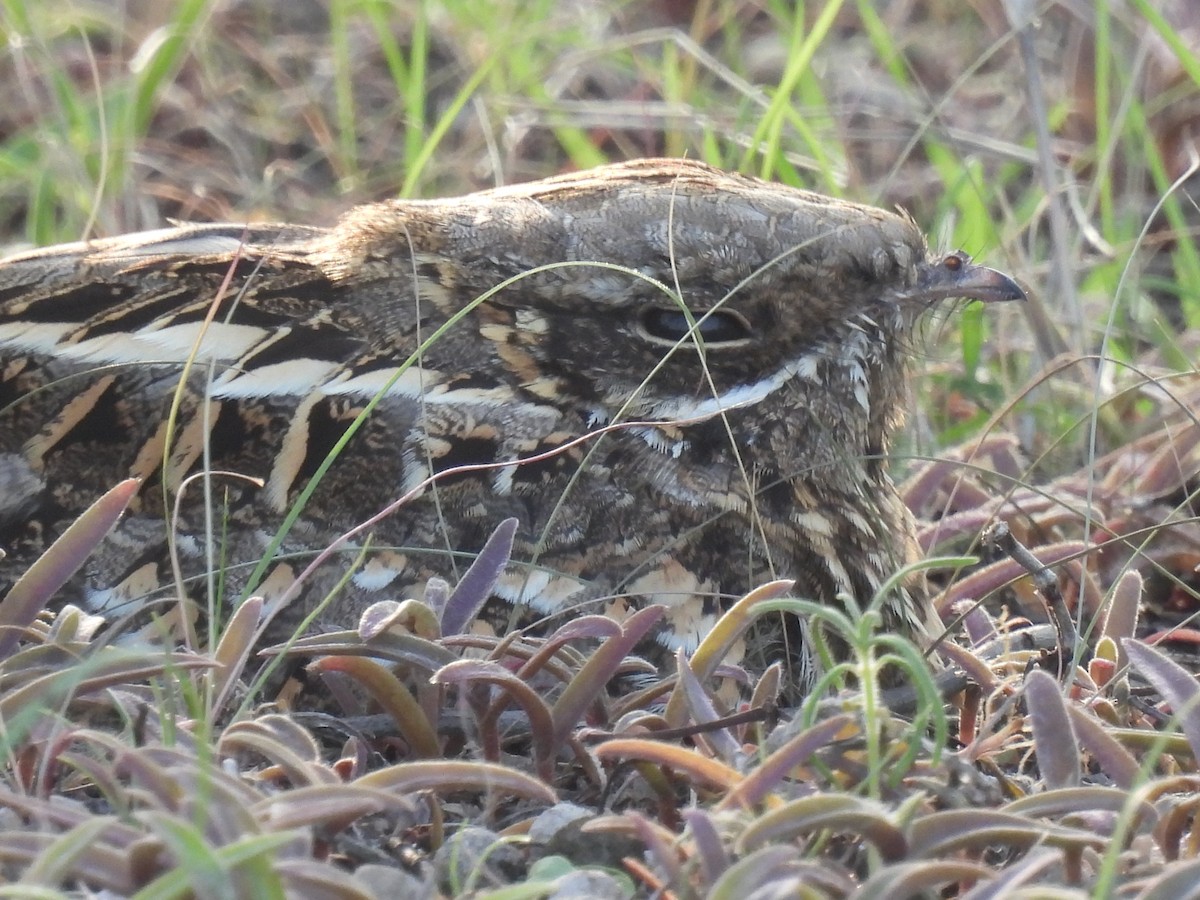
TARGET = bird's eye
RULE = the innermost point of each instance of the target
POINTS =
(717, 327)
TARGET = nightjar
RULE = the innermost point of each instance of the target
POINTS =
(736, 349)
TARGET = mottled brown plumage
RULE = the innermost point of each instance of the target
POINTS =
(765, 411)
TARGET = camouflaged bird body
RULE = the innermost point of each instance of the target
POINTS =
(753, 445)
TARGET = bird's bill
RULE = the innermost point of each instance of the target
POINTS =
(954, 275)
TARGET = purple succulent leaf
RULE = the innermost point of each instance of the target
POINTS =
(923, 486)
(1176, 685)
(979, 625)
(1121, 612)
(599, 669)
(767, 777)
(837, 812)
(473, 590)
(704, 711)
(1163, 473)
(943, 833)
(234, 649)
(392, 694)
(91, 861)
(107, 670)
(596, 627)
(1055, 804)
(921, 879)
(1176, 881)
(389, 645)
(978, 670)
(1114, 760)
(709, 847)
(1053, 736)
(650, 833)
(60, 562)
(323, 804)
(455, 776)
(1030, 870)
(541, 724)
(959, 526)
(756, 870)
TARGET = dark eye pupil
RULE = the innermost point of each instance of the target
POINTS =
(672, 325)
